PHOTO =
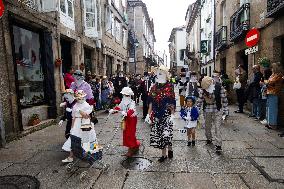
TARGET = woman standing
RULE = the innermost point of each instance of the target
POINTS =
(105, 96)
(274, 87)
(161, 108)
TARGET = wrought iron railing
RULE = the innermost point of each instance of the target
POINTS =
(275, 7)
(240, 22)
(221, 38)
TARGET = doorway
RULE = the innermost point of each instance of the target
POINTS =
(109, 61)
(66, 55)
(223, 66)
(88, 60)
(242, 59)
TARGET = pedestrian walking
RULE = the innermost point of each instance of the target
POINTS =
(80, 121)
(160, 113)
(214, 104)
(105, 93)
(69, 102)
(127, 109)
(190, 115)
(145, 88)
(192, 85)
(119, 84)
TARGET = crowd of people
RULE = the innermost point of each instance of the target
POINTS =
(262, 91)
(202, 101)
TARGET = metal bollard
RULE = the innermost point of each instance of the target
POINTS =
(2, 129)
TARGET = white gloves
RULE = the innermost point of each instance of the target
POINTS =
(68, 110)
(62, 104)
(147, 119)
(111, 111)
(187, 118)
(60, 123)
(124, 113)
(224, 117)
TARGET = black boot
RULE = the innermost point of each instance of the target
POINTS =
(218, 150)
(188, 143)
(208, 142)
(170, 154)
(193, 143)
(162, 159)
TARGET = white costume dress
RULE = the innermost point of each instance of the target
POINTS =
(86, 136)
(190, 124)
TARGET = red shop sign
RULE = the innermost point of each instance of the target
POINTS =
(252, 37)
(2, 8)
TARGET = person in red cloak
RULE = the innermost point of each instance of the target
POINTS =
(128, 111)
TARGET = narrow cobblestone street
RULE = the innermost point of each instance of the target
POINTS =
(253, 157)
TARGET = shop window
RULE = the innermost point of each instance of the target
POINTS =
(29, 68)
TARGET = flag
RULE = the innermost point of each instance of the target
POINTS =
(2, 8)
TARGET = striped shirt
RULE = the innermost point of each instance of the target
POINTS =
(212, 107)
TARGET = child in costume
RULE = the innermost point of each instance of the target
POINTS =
(128, 111)
(190, 115)
(80, 119)
(69, 102)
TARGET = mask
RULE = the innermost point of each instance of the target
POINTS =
(216, 79)
(69, 97)
(126, 100)
(161, 77)
(146, 78)
(79, 82)
(80, 101)
(120, 75)
(183, 78)
(193, 79)
(211, 88)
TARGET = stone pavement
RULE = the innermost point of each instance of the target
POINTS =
(253, 158)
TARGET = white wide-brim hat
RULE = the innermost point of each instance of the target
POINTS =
(127, 91)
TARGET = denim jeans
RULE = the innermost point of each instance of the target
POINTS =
(255, 108)
(272, 109)
(262, 108)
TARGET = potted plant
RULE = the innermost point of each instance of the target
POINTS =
(34, 120)
(58, 62)
(264, 61)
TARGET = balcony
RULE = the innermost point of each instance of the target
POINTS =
(240, 22)
(275, 8)
(32, 4)
(221, 38)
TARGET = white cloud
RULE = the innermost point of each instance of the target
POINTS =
(167, 14)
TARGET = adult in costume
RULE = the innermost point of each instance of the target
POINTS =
(128, 111)
(192, 85)
(69, 102)
(161, 108)
(182, 86)
(214, 104)
(80, 84)
(80, 115)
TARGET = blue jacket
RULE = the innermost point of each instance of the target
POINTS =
(193, 113)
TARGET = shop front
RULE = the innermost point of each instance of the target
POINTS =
(34, 74)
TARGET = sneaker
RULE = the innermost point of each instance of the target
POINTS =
(193, 143)
(264, 122)
(68, 160)
(208, 142)
(162, 159)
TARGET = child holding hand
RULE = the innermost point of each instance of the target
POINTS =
(190, 115)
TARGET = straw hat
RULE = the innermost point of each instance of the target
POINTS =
(206, 82)
(80, 94)
(165, 70)
(127, 91)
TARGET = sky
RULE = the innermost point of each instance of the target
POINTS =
(167, 14)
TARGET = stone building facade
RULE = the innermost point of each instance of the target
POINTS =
(233, 20)
(41, 41)
(177, 48)
(142, 36)
(115, 36)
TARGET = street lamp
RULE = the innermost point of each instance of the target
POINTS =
(136, 44)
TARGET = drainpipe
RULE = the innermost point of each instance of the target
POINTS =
(214, 31)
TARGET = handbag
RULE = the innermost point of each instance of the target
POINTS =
(86, 127)
(237, 84)
(94, 119)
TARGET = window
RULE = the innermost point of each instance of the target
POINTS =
(118, 31)
(62, 6)
(210, 71)
(70, 8)
(124, 37)
(223, 13)
(29, 69)
(181, 55)
(243, 2)
(108, 20)
(112, 25)
(98, 4)
(90, 13)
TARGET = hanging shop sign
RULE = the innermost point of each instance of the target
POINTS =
(2, 8)
(251, 50)
(204, 46)
(252, 37)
